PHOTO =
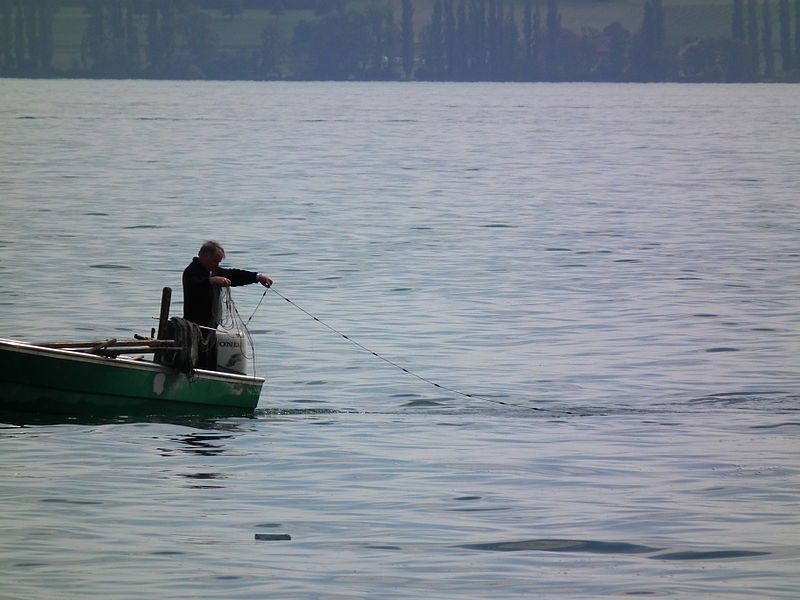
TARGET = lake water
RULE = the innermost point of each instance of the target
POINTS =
(612, 271)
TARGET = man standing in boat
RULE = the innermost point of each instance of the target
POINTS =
(202, 281)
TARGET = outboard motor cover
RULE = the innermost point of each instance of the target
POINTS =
(231, 352)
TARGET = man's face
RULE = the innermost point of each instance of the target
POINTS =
(211, 261)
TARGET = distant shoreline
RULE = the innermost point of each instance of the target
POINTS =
(717, 41)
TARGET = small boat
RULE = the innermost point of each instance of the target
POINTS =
(113, 377)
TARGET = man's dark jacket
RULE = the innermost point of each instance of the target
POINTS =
(200, 297)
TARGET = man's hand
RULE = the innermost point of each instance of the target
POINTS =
(264, 280)
(221, 281)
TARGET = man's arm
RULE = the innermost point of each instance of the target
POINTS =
(236, 277)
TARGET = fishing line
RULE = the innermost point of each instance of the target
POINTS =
(257, 307)
(386, 360)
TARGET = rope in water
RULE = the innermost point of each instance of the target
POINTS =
(386, 360)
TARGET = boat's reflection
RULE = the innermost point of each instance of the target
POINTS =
(200, 417)
(202, 443)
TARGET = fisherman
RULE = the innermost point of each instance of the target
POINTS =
(202, 281)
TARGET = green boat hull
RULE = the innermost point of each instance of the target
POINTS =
(38, 379)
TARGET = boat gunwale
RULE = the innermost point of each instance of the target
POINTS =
(121, 362)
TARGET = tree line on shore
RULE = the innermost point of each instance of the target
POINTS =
(465, 40)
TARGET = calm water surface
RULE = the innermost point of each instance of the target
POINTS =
(612, 269)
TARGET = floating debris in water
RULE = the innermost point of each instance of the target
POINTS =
(109, 266)
(272, 537)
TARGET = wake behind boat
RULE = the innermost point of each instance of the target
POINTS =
(189, 369)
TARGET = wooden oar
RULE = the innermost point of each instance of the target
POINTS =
(117, 351)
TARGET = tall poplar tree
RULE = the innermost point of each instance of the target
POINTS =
(797, 33)
(739, 68)
(737, 21)
(116, 41)
(169, 29)
(19, 39)
(620, 42)
(477, 35)
(408, 38)
(132, 49)
(391, 42)
(47, 8)
(527, 29)
(537, 40)
(93, 44)
(658, 27)
(752, 37)
(531, 33)
(769, 52)
(787, 60)
(434, 54)
(449, 38)
(6, 35)
(462, 41)
(492, 38)
(153, 50)
(509, 38)
(32, 35)
(553, 36)
(648, 59)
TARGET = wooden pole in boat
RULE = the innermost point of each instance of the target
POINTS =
(166, 297)
(163, 319)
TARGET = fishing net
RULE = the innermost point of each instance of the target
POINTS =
(228, 347)
(234, 344)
